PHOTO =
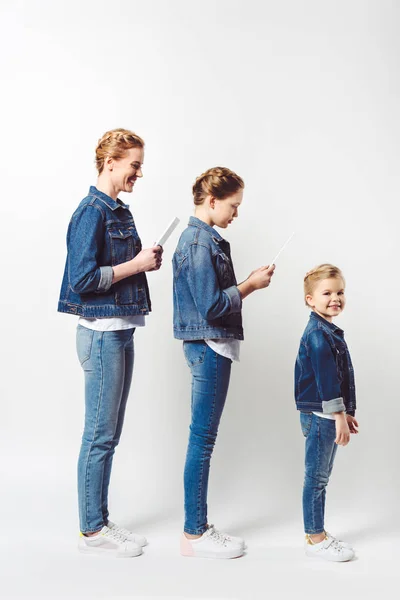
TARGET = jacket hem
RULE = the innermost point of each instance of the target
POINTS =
(102, 311)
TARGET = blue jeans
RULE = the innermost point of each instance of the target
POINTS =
(210, 382)
(107, 360)
(321, 449)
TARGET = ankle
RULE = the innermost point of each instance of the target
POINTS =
(91, 533)
(316, 538)
(191, 536)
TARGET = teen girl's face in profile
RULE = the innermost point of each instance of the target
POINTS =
(124, 171)
(222, 212)
(328, 299)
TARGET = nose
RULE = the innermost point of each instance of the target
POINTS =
(139, 173)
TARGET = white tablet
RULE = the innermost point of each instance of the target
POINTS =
(161, 240)
(283, 247)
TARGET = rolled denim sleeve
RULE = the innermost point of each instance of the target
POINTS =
(211, 301)
(85, 244)
(325, 370)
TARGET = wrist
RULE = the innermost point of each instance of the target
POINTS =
(339, 415)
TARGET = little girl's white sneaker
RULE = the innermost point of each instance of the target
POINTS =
(210, 545)
(340, 542)
(328, 549)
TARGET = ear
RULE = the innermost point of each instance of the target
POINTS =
(212, 202)
(309, 300)
(109, 163)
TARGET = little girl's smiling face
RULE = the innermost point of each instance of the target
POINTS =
(328, 299)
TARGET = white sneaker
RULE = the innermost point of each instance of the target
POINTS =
(328, 549)
(340, 542)
(108, 543)
(236, 540)
(210, 545)
(140, 540)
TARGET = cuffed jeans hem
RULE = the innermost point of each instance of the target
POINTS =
(195, 531)
(313, 531)
(92, 530)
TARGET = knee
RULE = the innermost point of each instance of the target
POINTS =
(316, 480)
(203, 439)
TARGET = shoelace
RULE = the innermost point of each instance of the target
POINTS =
(216, 535)
(114, 535)
(120, 530)
(335, 545)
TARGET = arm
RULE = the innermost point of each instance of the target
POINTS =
(211, 301)
(325, 370)
(84, 273)
(257, 280)
(86, 240)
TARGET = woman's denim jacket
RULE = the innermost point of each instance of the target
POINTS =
(207, 302)
(102, 234)
(324, 375)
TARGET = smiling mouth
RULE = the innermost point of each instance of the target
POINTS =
(131, 181)
(334, 306)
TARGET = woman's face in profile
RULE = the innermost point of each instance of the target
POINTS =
(124, 171)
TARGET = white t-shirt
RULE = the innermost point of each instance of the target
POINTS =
(113, 323)
(228, 347)
(323, 416)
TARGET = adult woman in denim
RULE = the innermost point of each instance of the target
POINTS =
(105, 285)
(207, 317)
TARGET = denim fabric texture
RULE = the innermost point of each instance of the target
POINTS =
(102, 234)
(207, 302)
(210, 382)
(324, 375)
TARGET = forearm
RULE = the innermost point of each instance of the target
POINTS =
(245, 288)
(124, 270)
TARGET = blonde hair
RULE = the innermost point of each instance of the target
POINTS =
(219, 182)
(324, 271)
(115, 143)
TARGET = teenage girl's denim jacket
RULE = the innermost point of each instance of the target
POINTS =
(324, 375)
(102, 234)
(207, 302)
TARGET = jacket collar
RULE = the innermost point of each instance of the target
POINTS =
(112, 204)
(314, 316)
(195, 222)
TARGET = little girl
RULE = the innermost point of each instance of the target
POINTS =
(325, 395)
(208, 318)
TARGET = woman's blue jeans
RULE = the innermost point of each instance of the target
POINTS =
(107, 361)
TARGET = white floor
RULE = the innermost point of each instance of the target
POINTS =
(41, 565)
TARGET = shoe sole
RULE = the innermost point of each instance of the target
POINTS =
(224, 555)
(99, 552)
(311, 555)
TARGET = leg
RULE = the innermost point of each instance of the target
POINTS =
(210, 382)
(320, 436)
(129, 360)
(102, 357)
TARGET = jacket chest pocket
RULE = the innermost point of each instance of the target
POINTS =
(124, 245)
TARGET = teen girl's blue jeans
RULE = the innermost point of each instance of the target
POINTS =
(210, 382)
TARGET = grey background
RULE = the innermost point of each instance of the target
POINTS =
(301, 99)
